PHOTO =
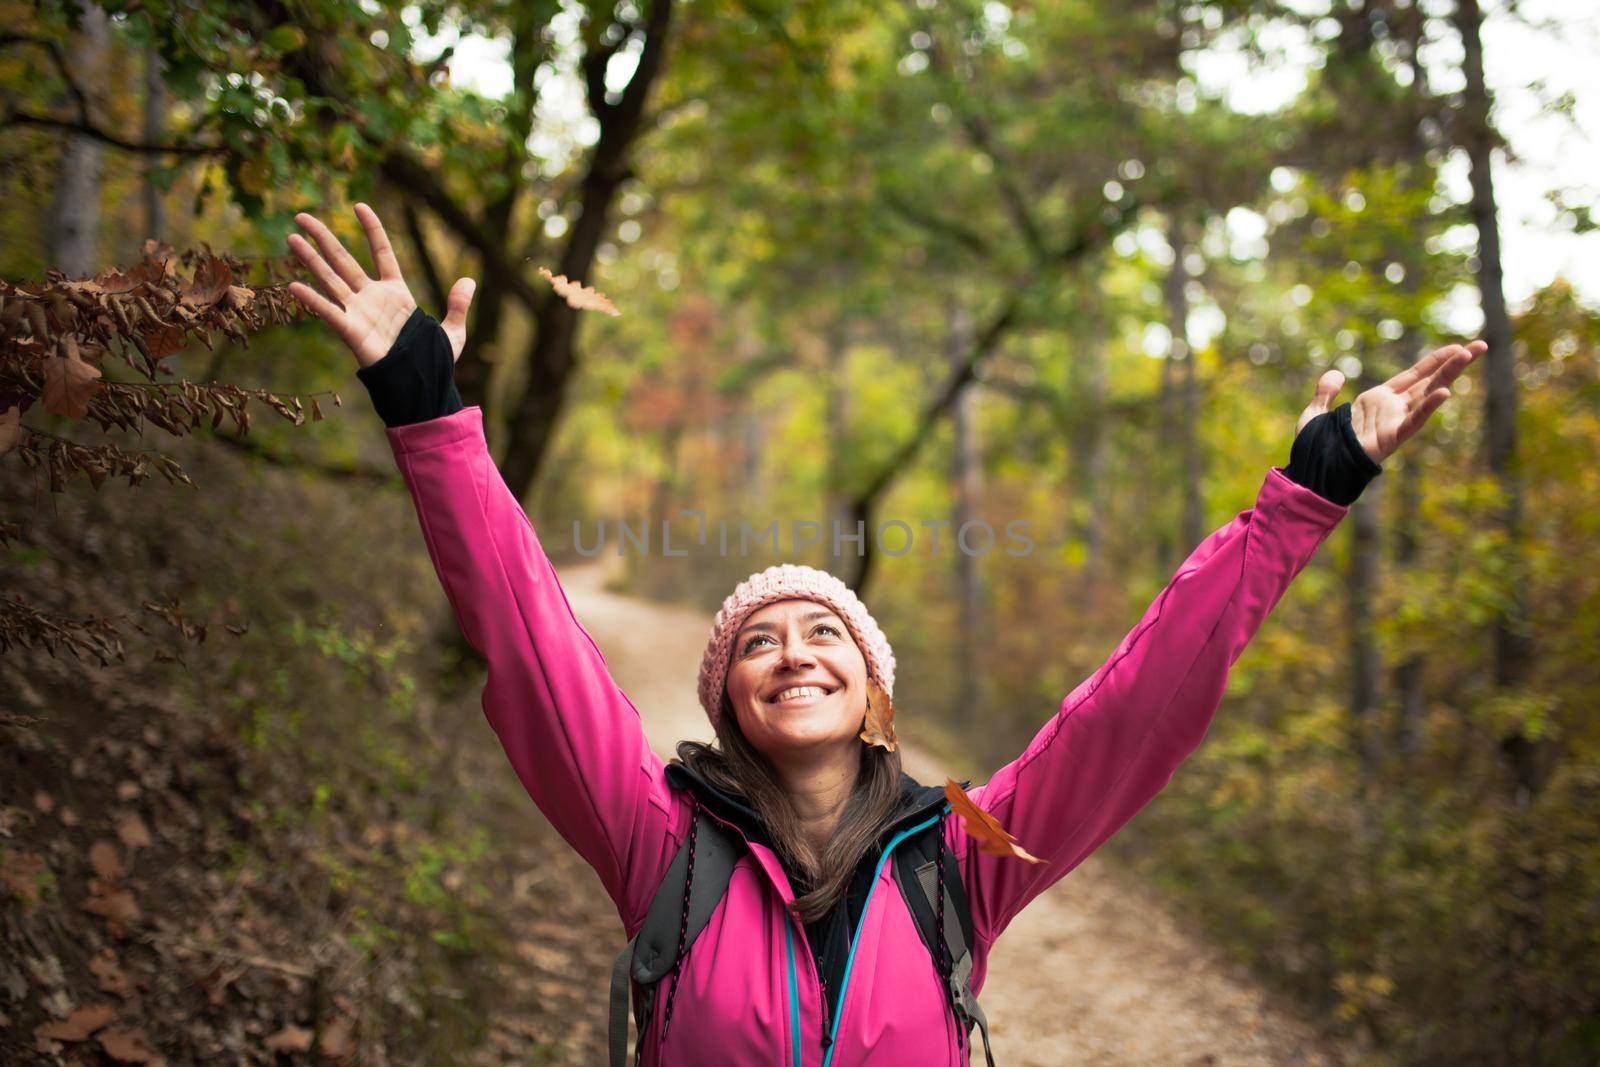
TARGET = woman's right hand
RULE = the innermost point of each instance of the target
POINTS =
(367, 313)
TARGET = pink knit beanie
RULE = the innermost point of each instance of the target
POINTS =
(790, 581)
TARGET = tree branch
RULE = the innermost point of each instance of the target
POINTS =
(22, 118)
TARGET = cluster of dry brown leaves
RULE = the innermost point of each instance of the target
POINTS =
(55, 337)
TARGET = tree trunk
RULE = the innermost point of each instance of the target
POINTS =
(155, 128)
(1512, 641)
(1363, 581)
(966, 477)
(72, 236)
(1408, 674)
(1184, 397)
(1099, 455)
(837, 398)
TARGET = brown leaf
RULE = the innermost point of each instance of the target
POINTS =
(338, 1039)
(128, 1046)
(106, 860)
(211, 280)
(114, 904)
(984, 828)
(578, 295)
(879, 728)
(132, 830)
(290, 1039)
(69, 382)
(20, 872)
(79, 1025)
(113, 979)
(163, 340)
(10, 428)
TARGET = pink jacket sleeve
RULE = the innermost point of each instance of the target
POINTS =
(1121, 734)
(573, 737)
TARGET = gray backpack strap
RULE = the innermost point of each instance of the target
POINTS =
(618, 1027)
(653, 951)
(955, 939)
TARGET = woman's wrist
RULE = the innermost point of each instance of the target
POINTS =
(1328, 458)
(415, 379)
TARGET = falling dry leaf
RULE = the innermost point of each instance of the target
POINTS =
(43, 802)
(577, 295)
(983, 827)
(127, 1046)
(132, 830)
(10, 428)
(127, 790)
(69, 382)
(112, 977)
(79, 1025)
(879, 728)
(20, 872)
(106, 860)
(290, 1039)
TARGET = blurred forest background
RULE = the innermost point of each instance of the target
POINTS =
(1073, 263)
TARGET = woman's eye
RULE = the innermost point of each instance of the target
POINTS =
(830, 629)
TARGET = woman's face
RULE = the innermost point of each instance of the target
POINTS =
(787, 645)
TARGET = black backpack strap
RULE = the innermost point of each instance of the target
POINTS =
(917, 865)
(650, 955)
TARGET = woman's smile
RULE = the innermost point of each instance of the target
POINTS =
(800, 695)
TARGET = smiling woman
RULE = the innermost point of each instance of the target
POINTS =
(820, 929)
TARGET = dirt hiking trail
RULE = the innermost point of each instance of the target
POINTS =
(1092, 972)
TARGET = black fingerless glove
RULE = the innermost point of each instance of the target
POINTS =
(415, 380)
(1328, 459)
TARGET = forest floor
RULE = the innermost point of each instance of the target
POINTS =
(290, 847)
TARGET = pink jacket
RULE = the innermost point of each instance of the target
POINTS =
(749, 992)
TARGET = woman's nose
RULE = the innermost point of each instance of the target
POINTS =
(796, 653)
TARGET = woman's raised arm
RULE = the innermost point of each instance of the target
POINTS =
(572, 735)
(1119, 736)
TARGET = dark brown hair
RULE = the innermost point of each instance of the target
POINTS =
(735, 766)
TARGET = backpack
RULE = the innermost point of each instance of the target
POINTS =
(653, 951)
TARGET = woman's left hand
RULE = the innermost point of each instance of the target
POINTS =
(1385, 416)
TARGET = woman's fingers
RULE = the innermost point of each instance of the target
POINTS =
(1439, 367)
(1420, 414)
(344, 265)
(1459, 361)
(1418, 370)
(455, 319)
(378, 241)
(319, 305)
(1328, 387)
(331, 283)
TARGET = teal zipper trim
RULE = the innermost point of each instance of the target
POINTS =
(794, 991)
(850, 961)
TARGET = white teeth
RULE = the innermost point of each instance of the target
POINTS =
(799, 691)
